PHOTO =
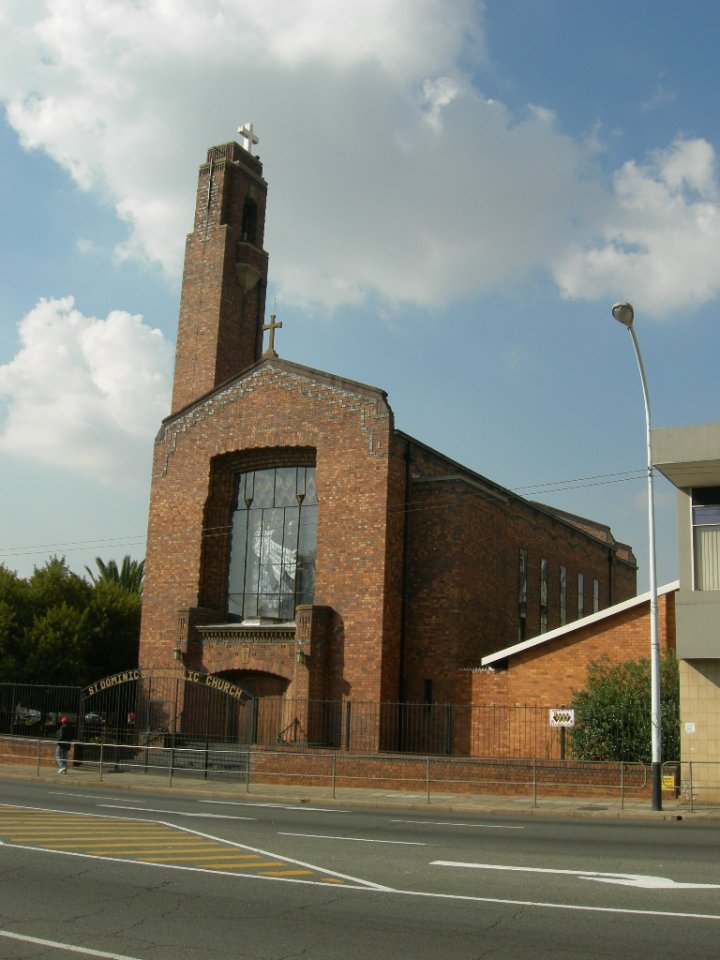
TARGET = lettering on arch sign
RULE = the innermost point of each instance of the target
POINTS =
(218, 683)
(191, 676)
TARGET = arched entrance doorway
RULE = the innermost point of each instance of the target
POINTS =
(267, 719)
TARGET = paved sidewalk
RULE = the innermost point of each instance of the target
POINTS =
(300, 794)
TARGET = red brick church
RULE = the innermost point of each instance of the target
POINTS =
(300, 546)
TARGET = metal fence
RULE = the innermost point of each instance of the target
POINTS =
(170, 711)
(32, 710)
(332, 772)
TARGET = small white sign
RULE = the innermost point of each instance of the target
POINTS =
(562, 717)
(689, 728)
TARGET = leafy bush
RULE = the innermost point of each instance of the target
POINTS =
(612, 713)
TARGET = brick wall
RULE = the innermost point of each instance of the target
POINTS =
(551, 672)
(277, 413)
(465, 537)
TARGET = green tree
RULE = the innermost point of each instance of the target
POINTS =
(54, 584)
(57, 646)
(129, 576)
(57, 628)
(612, 713)
(114, 616)
(15, 617)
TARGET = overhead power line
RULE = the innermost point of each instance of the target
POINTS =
(529, 491)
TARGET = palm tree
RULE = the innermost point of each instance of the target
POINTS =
(129, 576)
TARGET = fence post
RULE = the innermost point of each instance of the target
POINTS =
(692, 801)
(348, 710)
(334, 773)
(534, 783)
(38, 756)
(172, 763)
(102, 750)
(427, 777)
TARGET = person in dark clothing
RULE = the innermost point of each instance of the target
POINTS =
(66, 735)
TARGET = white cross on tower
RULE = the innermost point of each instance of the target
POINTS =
(246, 132)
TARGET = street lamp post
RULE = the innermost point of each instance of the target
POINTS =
(624, 313)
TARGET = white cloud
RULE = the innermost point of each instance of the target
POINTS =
(127, 96)
(371, 131)
(661, 239)
(85, 394)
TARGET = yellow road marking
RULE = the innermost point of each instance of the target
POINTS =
(210, 855)
(141, 842)
(95, 843)
(244, 866)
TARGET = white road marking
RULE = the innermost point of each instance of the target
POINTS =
(577, 907)
(356, 883)
(275, 806)
(71, 948)
(177, 813)
(87, 796)
(643, 881)
(325, 836)
(445, 823)
(365, 886)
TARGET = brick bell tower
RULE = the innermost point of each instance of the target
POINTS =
(222, 302)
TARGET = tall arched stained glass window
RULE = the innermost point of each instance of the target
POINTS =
(274, 527)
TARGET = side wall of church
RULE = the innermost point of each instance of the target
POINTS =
(465, 539)
(275, 409)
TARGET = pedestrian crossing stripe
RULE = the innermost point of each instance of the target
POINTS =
(150, 841)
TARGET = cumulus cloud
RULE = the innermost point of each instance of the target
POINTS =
(371, 131)
(85, 393)
(127, 96)
(662, 237)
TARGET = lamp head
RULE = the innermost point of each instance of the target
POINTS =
(624, 313)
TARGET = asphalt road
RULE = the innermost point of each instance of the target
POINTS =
(95, 872)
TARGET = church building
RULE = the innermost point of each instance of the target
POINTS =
(304, 549)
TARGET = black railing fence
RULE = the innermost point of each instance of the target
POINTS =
(175, 712)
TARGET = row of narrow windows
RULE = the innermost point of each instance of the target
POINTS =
(563, 613)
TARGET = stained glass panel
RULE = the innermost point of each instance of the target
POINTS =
(274, 527)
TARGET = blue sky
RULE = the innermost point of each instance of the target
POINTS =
(458, 192)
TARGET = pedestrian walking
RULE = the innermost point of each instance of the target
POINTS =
(65, 737)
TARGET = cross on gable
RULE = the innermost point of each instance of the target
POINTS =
(246, 132)
(272, 327)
